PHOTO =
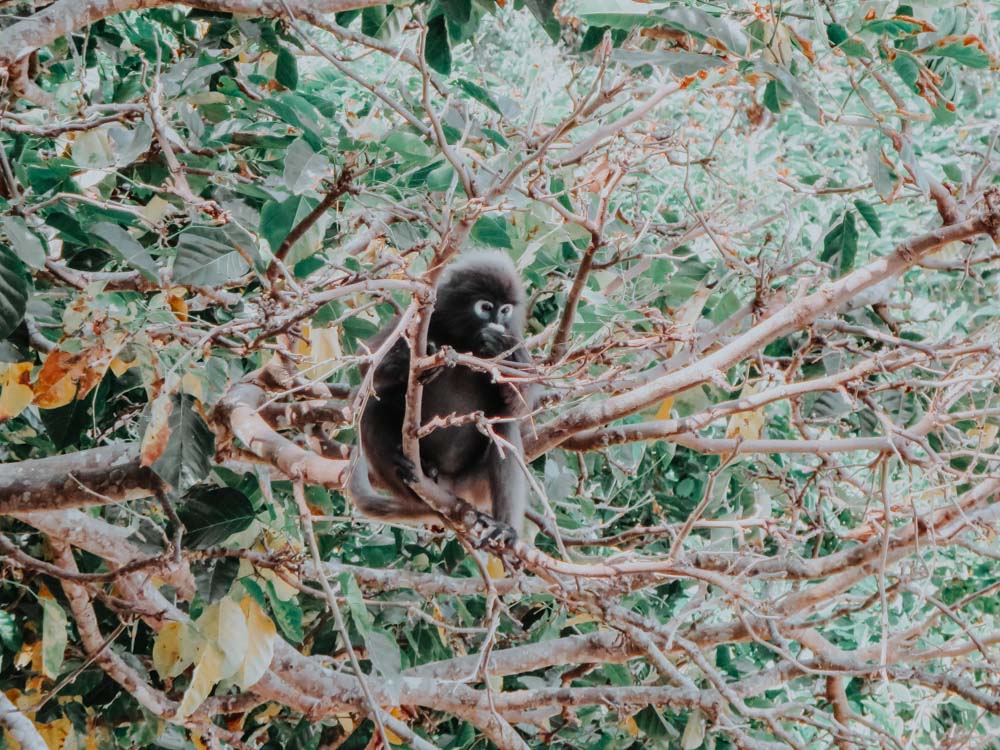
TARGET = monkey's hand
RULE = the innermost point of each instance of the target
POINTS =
(493, 342)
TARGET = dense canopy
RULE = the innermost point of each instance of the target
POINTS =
(759, 243)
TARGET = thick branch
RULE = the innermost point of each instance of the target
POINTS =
(797, 315)
(92, 477)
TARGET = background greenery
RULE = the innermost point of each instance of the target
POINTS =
(706, 165)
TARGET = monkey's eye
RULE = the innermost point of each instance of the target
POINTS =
(483, 309)
(506, 311)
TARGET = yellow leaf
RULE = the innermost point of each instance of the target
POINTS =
(664, 411)
(323, 353)
(191, 384)
(579, 620)
(261, 634)
(55, 732)
(198, 742)
(224, 625)
(346, 722)
(747, 425)
(15, 390)
(631, 728)
(167, 659)
(206, 674)
(495, 568)
(986, 434)
(156, 209)
(119, 366)
(394, 738)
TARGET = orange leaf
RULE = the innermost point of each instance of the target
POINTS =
(54, 387)
(664, 411)
(154, 442)
(176, 301)
(89, 368)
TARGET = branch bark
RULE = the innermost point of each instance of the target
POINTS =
(85, 479)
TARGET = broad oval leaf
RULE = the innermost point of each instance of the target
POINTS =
(212, 514)
(28, 245)
(190, 445)
(126, 247)
(304, 168)
(13, 292)
(207, 256)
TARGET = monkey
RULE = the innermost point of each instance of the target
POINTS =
(479, 310)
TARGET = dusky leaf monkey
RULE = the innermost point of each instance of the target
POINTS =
(479, 310)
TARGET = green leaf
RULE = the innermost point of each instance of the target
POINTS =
(187, 458)
(491, 230)
(408, 145)
(363, 619)
(907, 68)
(304, 168)
(776, 95)
(288, 614)
(215, 577)
(459, 11)
(373, 21)
(840, 38)
(496, 137)
(679, 63)
(54, 637)
(212, 514)
(10, 633)
(868, 213)
(286, 69)
(207, 256)
(13, 292)
(28, 245)
(439, 179)
(968, 55)
(797, 90)
(478, 93)
(127, 248)
(884, 177)
(543, 11)
(277, 220)
(842, 242)
(437, 50)
(707, 26)
(893, 27)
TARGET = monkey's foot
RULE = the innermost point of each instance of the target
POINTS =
(489, 533)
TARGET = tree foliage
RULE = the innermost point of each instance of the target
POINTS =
(760, 244)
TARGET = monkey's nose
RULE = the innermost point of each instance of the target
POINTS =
(496, 327)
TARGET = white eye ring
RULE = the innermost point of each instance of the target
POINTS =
(483, 308)
(506, 311)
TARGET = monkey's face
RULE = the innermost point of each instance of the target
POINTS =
(479, 313)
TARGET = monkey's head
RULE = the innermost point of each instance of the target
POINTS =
(480, 305)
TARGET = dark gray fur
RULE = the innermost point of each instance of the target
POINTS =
(459, 458)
